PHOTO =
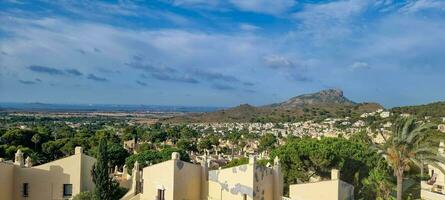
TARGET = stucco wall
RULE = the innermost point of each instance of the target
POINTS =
(324, 190)
(46, 181)
(86, 179)
(154, 176)
(263, 183)
(231, 183)
(187, 181)
(6, 180)
(43, 184)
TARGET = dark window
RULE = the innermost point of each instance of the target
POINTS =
(244, 196)
(161, 194)
(67, 190)
(25, 190)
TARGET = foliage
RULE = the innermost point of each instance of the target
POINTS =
(404, 150)
(144, 158)
(84, 196)
(237, 162)
(267, 142)
(303, 158)
(106, 188)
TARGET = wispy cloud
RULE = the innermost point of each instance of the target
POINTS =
(74, 72)
(96, 78)
(141, 83)
(168, 77)
(54, 71)
(219, 86)
(214, 76)
(25, 82)
(265, 6)
(45, 70)
(360, 65)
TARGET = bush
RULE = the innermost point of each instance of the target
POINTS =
(84, 196)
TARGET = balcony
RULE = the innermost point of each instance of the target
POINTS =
(432, 192)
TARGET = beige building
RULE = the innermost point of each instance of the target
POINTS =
(57, 180)
(178, 180)
(434, 189)
(334, 189)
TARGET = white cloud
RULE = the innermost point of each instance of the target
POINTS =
(248, 27)
(360, 65)
(274, 7)
(419, 5)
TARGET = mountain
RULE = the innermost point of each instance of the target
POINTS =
(315, 106)
(322, 98)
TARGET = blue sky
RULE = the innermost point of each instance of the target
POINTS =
(221, 53)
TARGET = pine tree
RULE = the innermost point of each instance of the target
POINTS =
(106, 188)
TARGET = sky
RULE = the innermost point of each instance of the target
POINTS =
(221, 53)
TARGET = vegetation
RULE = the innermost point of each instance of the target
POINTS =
(405, 150)
(106, 188)
(84, 196)
(306, 158)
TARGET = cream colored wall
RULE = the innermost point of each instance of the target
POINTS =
(70, 166)
(231, 183)
(86, 178)
(46, 181)
(157, 175)
(324, 190)
(43, 183)
(6, 180)
(187, 184)
(181, 180)
(263, 183)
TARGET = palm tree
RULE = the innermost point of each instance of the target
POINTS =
(405, 148)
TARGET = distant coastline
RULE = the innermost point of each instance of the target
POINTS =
(46, 107)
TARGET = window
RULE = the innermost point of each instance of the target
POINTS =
(161, 194)
(244, 196)
(25, 190)
(67, 190)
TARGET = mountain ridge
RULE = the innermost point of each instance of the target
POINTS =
(322, 104)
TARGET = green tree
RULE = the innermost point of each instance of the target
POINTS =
(267, 142)
(106, 188)
(405, 150)
(36, 139)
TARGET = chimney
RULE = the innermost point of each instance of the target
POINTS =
(252, 160)
(175, 156)
(18, 158)
(78, 150)
(28, 162)
(335, 174)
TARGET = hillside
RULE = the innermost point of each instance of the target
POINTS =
(315, 106)
(435, 110)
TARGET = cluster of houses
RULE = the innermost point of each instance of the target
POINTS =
(170, 180)
(178, 180)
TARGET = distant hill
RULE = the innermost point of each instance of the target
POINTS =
(323, 98)
(435, 110)
(315, 106)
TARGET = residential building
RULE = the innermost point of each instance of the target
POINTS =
(60, 179)
(334, 189)
(177, 180)
(434, 188)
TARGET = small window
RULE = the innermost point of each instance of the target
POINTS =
(244, 196)
(161, 194)
(67, 190)
(25, 190)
